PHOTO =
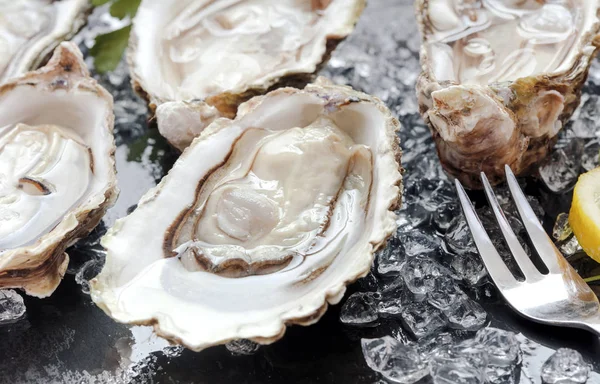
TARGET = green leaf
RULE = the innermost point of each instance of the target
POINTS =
(108, 49)
(123, 8)
(97, 3)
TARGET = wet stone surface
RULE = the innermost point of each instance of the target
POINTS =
(426, 312)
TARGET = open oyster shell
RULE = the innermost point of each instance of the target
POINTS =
(261, 222)
(31, 29)
(221, 53)
(57, 171)
(500, 79)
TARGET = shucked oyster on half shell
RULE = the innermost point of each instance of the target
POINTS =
(57, 170)
(261, 222)
(31, 29)
(213, 55)
(501, 78)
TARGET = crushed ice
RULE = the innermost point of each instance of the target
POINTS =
(360, 309)
(566, 366)
(12, 307)
(396, 362)
(242, 347)
(490, 356)
(430, 273)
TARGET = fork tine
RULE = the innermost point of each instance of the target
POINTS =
(540, 239)
(492, 260)
(529, 270)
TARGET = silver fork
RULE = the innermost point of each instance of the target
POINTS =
(560, 297)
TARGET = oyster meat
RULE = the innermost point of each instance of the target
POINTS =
(261, 222)
(31, 29)
(500, 79)
(57, 171)
(224, 52)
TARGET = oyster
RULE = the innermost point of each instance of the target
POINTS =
(500, 79)
(31, 29)
(224, 52)
(261, 222)
(57, 171)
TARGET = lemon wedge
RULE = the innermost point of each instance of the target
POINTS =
(585, 213)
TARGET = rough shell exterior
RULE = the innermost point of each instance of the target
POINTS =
(527, 104)
(39, 267)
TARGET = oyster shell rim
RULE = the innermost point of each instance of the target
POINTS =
(232, 99)
(82, 8)
(66, 63)
(589, 39)
(392, 195)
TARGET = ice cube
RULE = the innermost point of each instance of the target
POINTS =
(570, 247)
(396, 290)
(12, 307)
(488, 219)
(455, 373)
(591, 155)
(560, 172)
(369, 282)
(467, 315)
(419, 274)
(393, 289)
(411, 216)
(458, 237)
(418, 130)
(423, 167)
(419, 140)
(242, 347)
(390, 308)
(471, 350)
(445, 293)
(444, 193)
(585, 119)
(468, 267)
(502, 375)
(407, 104)
(502, 346)
(491, 225)
(396, 362)
(419, 243)
(536, 206)
(562, 230)
(464, 363)
(444, 215)
(431, 193)
(173, 351)
(510, 209)
(594, 76)
(431, 344)
(566, 366)
(360, 309)
(391, 258)
(422, 319)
